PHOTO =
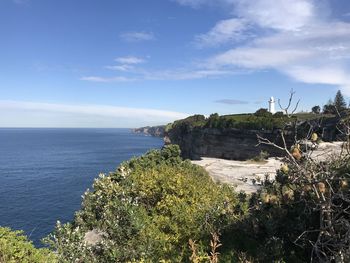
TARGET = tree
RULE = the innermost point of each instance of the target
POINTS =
(311, 196)
(279, 114)
(316, 109)
(329, 108)
(15, 247)
(262, 113)
(339, 101)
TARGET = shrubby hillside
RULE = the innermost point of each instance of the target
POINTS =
(15, 247)
(262, 119)
(148, 210)
(159, 208)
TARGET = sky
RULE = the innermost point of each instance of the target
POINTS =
(131, 63)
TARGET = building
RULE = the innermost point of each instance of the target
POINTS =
(272, 105)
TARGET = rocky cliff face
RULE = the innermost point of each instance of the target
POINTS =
(157, 131)
(233, 144)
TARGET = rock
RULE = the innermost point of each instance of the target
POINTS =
(93, 237)
(156, 131)
(231, 144)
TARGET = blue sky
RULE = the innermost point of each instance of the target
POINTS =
(129, 63)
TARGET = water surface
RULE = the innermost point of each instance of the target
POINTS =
(44, 172)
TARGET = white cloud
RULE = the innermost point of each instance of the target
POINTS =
(321, 75)
(106, 79)
(130, 60)
(80, 115)
(317, 55)
(280, 15)
(120, 67)
(286, 15)
(176, 74)
(192, 3)
(137, 36)
(259, 57)
(184, 74)
(295, 37)
(224, 31)
(199, 3)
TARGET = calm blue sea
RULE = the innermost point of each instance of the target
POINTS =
(44, 172)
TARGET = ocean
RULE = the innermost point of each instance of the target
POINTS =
(44, 172)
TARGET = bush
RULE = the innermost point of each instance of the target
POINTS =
(279, 114)
(263, 155)
(15, 247)
(316, 109)
(262, 120)
(148, 209)
(262, 113)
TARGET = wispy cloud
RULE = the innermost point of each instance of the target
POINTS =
(161, 75)
(83, 114)
(289, 15)
(120, 67)
(107, 79)
(318, 55)
(295, 37)
(196, 3)
(130, 60)
(225, 31)
(126, 63)
(232, 102)
(137, 36)
(184, 74)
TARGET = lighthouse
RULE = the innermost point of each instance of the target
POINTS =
(272, 105)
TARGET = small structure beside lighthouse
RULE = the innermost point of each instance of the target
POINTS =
(272, 105)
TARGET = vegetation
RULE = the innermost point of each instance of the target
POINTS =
(161, 208)
(316, 109)
(149, 210)
(15, 247)
(337, 106)
(339, 101)
(261, 120)
(300, 216)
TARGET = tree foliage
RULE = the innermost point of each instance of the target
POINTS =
(148, 209)
(262, 112)
(339, 101)
(316, 109)
(15, 247)
(261, 121)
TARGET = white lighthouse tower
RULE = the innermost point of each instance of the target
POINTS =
(272, 105)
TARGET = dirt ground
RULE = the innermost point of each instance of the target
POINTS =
(245, 175)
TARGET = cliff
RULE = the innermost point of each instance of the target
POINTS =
(157, 131)
(232, 144)
(234, 137)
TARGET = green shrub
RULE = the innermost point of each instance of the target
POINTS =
(15, 247)
(258, 121)
(263, 155)
(149, 209)
(302, 215)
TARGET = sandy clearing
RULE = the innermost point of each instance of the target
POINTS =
(242, 173)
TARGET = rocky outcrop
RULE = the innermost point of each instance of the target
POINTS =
(157, 131)
(236, 144)
(232, 144)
